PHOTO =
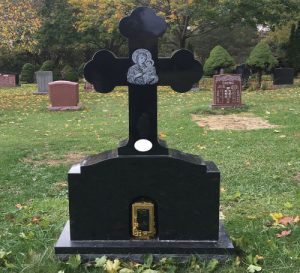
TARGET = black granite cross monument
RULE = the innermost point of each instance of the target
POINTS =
(151, 199)
(105, 71)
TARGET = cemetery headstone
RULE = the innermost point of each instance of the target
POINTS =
(43, 78)
(227, 91)
(143, 197)
(9, 80)
(283, 76)
(245, 73)
(64, 95)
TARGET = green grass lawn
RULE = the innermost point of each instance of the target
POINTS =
(258, 173)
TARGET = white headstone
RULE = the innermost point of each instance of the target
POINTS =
(42, 80)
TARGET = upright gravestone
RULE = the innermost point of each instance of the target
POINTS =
(139, 199)
(43, 78)
(9, 80)
(283, 76)
(227, 91)
(245, 73)
(64, 95)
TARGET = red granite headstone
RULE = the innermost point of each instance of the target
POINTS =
(64, 95)
(227, 91)
(8, 80)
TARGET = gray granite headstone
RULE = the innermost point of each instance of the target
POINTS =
(42, 80)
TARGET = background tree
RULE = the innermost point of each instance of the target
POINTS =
(186, 18)
(70, 31)
(261, 59)
(278, 40)
(58, 37)
(219, 59)
(97, 22)
(293, 48)
(238, 41)
(19, 23)
(268, 13)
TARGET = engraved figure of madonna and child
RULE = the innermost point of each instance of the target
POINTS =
(143, 71)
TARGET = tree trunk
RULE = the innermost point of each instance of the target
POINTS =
(182, 42)
(259, 76)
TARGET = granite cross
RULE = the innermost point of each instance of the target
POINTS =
(142, 73)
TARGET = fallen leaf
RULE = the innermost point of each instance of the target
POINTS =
(237, 195)
(112, 266)
(201, 147)
(253, 268)
(19, 206)
(259, 258)
(36, 219)
(74, 261)
(283, 233)
(162, 135)
(296, 219)
(247, 163)
(100, 262)
(222, 189)
(237, 261)
(286, 220)
(276, 216)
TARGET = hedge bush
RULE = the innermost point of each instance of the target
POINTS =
(219, 58)
(27, 73)
(47, 66)
(261, 59)
(69, 74)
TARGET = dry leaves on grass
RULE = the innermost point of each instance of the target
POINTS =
(68, 159)
(280, 220)
(232, 122)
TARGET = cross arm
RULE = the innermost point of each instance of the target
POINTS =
(105, 71)
(181, 71)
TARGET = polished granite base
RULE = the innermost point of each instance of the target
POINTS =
(136, 249)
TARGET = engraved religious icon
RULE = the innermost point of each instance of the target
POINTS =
(143, 72)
